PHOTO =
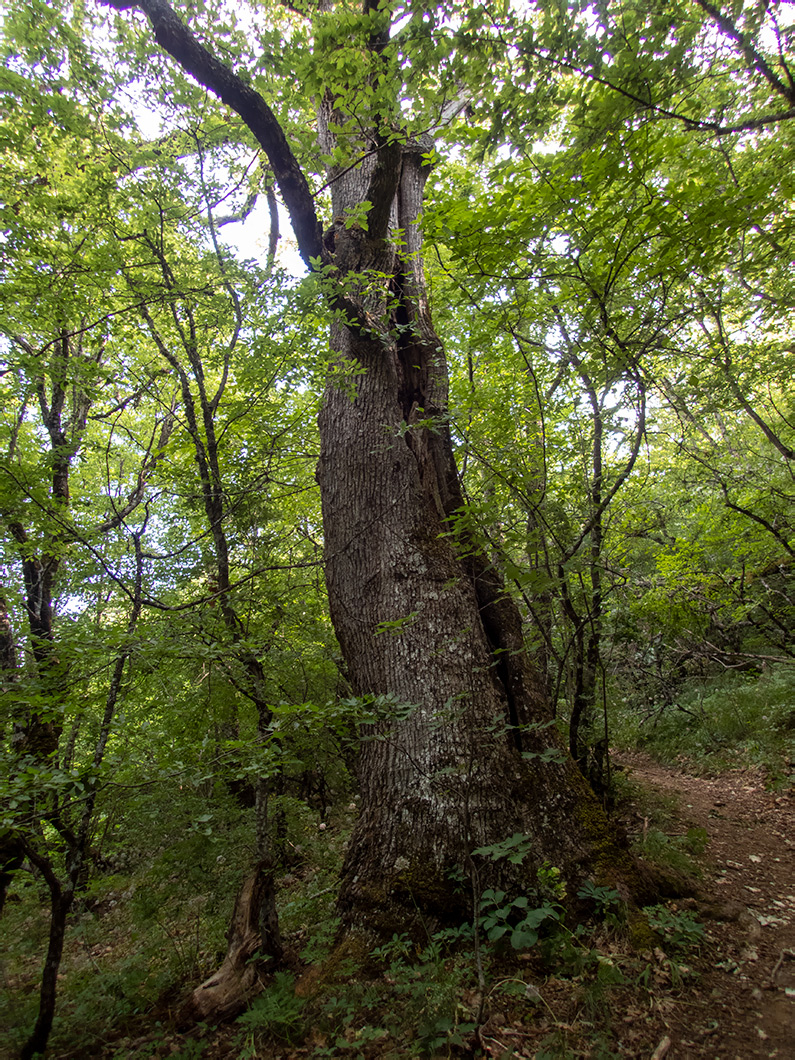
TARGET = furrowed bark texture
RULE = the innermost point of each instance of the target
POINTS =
(421, 616)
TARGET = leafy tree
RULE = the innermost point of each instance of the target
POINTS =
(612, 217)
(127, 439)
(577, 471)
(57, 411)
(419, 611)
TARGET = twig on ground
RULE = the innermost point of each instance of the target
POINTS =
(662, 1049)
(781, 958)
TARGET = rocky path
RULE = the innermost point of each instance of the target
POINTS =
(743, 1002)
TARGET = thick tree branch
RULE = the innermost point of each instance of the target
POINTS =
(174, 37)
(181, 44)
(752, 57)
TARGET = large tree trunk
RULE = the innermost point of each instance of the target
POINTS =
(423, 619)
(420, 614)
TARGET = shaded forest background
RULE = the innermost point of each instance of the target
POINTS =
(608, 233)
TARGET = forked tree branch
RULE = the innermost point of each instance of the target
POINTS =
(177, 39)
(753, 57)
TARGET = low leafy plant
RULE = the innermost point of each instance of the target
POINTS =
(351, 1043)
(514, 919)
(679, 927)
(275, 1014)
(606, 899)
(425, 987)
(675, 851)
(733, 720)
(607, 902)
(513, 850)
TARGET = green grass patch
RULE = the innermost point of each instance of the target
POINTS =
(734, 721)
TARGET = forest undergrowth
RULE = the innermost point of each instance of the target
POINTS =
(525, 982)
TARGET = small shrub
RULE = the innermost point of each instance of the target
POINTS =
(679, 928)
(606, 899)
(513, 919)
(734, 720)
(277, 1013)
(674, 852)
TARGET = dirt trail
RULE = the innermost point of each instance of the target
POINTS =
(743, 1002)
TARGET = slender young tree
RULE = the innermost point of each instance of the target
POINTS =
(38, 706)
(177, 334)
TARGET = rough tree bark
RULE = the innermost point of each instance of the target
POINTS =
(422, 616)
(11, 853)
(420, 613)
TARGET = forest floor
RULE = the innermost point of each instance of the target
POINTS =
(726, 992)
(741, 1003)
(734, 997)
(730, 998)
